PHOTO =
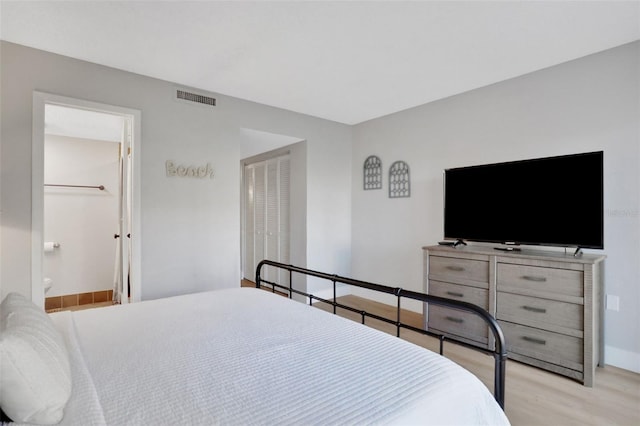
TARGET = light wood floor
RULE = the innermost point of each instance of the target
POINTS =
(533, 396)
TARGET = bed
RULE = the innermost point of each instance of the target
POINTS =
(246, 356)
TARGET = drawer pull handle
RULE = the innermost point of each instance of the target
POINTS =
(455, 268)
(454, 319)
(534, 309)
(534, 278)
(455, 294)
(534, 340)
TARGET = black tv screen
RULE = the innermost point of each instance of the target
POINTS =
(554, 201)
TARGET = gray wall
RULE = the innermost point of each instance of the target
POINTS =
(190, 231)
(584, 105)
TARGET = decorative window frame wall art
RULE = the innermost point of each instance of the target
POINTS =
(399, 180)
(372, 173)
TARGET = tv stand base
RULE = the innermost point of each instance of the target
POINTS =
(459, 243)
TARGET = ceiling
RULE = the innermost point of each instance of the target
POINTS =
(343, 61)
(84, 124)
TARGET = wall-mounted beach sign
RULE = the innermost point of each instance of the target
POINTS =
(179, 170)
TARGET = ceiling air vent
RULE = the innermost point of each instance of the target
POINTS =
(194, 97)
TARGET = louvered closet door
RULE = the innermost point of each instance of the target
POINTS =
(283, 213)
(277, 217)
(249, 227)
(267, 217)
(259, 216)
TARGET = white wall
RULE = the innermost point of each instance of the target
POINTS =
(585, 105)
(190, 236)
(83, 221)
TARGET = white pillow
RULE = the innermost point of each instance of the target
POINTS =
(35, 378)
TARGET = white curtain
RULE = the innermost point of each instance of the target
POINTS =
(117, 274)
(119, 239)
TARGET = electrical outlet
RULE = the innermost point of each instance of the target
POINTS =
(613, 302)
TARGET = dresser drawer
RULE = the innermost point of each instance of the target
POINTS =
(540, 280)
(477, 296)
(460, 271)
(547, 314)
(554, 348)
(458, 323)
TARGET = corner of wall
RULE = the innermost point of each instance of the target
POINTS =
(621, 358)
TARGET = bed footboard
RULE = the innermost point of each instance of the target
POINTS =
(499, 352)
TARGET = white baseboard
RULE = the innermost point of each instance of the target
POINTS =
(621, 358)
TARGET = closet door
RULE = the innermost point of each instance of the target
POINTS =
(248, 228)
(267, 217)
(277, 217)
(283, 214)
(259, 216)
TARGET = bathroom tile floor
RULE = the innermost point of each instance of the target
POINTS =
(82, 307)
(64, 302)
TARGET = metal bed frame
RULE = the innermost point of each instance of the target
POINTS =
(499, 352)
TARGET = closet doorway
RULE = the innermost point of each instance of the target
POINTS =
(266, 221)
(85, 209)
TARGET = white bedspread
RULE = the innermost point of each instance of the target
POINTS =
(246, 356)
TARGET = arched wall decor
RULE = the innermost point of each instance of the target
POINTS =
(399, 180)
(372, 173)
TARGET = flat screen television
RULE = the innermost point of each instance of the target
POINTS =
(554, 201)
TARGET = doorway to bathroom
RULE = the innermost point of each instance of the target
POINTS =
(86, 212)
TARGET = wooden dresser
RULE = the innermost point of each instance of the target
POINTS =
(549, 304)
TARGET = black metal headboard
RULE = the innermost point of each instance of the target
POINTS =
(499, 352)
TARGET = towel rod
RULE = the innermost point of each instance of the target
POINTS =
(100, 187)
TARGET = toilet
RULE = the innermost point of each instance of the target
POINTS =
(47, 283)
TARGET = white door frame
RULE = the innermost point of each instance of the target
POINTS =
(40, 99)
